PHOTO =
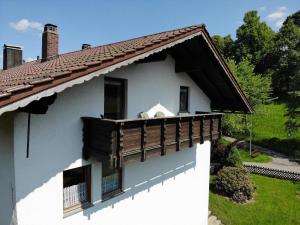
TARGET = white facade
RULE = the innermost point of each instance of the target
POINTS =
(171, 189)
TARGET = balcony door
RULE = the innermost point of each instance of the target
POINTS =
(114, 98)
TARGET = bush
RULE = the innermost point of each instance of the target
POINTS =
(218, 152)
(233, 158)
(235, 183)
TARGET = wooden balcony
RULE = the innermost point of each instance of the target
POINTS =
(117, 142)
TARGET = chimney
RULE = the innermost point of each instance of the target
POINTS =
(49, 42)
(85, 46)
(12, 56)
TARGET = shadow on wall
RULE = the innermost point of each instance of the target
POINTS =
(143, 176)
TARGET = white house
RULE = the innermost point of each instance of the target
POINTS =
(113, 134)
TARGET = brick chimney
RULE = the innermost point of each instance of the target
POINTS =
(12, 56)
(49, 42)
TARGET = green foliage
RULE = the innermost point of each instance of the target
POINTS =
(225, 45)
(292, 124)
(233, 158)
(276, 202)
(218, 151)
(256, 87)
(285, 56)
(235, 125)
(275, 55)
(254, 39)
(235, 183)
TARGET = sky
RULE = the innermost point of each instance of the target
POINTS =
(100, 22)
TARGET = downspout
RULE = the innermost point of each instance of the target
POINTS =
(28, 135)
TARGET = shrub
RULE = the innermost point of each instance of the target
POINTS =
(218, 152)
(233, 158)
(235, 183)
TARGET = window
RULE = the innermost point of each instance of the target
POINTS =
(184, 99)
(111, 182)
(77, 188)
(114, 98)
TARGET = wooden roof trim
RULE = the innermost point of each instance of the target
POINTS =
(222, 62)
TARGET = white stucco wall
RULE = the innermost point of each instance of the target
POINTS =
(56, 145)
(7, 183)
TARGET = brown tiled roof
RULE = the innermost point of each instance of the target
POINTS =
(33, 77)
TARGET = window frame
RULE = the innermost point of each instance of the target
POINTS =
(124, 85)
(119, 190)
(88, 203)
(187, 99)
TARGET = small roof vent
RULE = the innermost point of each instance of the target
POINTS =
(85, 46)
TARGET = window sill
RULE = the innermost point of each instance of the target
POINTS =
(76, 209)
(110, 195)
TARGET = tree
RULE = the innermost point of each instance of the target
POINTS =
(257, 89)
(254, 39)
(285, 56)
(225, 45)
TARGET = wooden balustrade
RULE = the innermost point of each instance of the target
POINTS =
(117, 142)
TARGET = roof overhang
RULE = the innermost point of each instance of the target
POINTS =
(203, 62)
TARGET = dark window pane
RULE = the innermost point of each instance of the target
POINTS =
(184, 99)
(74, 176)
(114, 98)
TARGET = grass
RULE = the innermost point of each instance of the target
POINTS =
(245, 157)
(261, 157)
(269, 128)
(276, 202)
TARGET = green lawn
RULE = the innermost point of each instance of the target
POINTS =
(276, 202)
(262, 158)
(269, 128)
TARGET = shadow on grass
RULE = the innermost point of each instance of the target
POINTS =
(289, 147)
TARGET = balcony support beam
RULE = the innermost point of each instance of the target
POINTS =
(163, 137)
(143, 140)
(178, 133)
(120, 145)
(201, 130)
(191, 125)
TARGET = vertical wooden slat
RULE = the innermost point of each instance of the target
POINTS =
(163, 136)
(211, 127)
(201, 129)
(88, 180)
(191, 124)
(220, 126)
(143, 140)
(178, 130)
(120, 144)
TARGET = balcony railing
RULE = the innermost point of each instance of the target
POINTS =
(75, 195)
(117, 142)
